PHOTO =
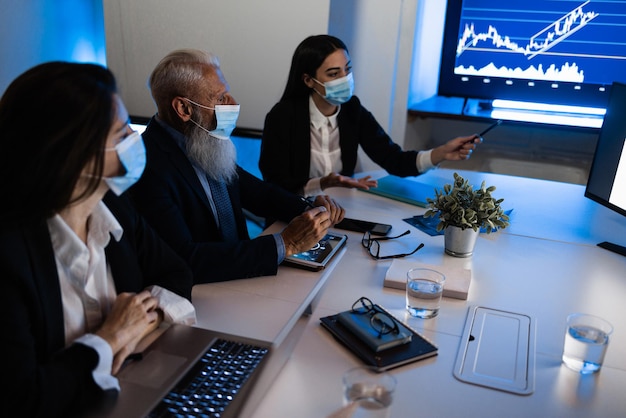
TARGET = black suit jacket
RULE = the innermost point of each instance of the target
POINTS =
(170, 196)
(40, 377)
(286, 150)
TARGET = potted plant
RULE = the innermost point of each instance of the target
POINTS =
(463, 212)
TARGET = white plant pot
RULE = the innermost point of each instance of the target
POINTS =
(460, 242)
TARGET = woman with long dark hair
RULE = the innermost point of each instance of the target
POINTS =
(82, 276)
(311, 137)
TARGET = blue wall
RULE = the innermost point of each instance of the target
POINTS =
(36, 31)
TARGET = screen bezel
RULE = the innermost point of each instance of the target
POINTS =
(451, 84)
(608, 150)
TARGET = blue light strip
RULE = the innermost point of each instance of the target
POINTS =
(543, 107)
(549, 118)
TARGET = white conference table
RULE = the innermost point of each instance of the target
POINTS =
(545, 265)
(275, 309)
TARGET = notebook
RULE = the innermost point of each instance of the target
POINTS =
(457, 282)
(405, 189)
(361, 326)
(320, 255)
(417, 349)
(166, 361)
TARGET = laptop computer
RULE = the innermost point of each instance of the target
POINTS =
(167, 362)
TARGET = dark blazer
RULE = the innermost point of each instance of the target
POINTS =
(170, 196)
(39, 376)
(286, 151)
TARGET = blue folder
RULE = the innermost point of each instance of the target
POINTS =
(406, 190)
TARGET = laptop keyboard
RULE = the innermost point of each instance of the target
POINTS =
(213, 383)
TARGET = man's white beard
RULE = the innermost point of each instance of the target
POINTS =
(216, 157)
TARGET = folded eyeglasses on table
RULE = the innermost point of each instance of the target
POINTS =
(372, 245)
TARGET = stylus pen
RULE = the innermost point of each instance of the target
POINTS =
(307, 201)
(493, 125)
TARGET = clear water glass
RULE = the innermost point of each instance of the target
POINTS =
(372, 392)
(586, 341)
(424, 289)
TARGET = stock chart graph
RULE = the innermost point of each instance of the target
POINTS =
(550, 40)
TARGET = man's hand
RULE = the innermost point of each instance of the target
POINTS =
(306, 230)
(336, 212)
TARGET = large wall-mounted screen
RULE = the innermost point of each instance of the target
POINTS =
(550, 51)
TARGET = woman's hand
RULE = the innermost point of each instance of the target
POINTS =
(337, 180)
(456, 149)
(131, 318)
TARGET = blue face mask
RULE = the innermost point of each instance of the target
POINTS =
(132, 153)
(338, 91)
(226, 116)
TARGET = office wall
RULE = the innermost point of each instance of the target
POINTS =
(254, 40)
(379, 36)
(36, 31)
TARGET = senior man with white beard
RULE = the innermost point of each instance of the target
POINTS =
(193, 192)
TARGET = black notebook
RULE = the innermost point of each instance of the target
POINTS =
(418, 348)
(360, 325)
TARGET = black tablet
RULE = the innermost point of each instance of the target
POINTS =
(317, 257)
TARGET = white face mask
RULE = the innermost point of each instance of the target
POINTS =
(226, 116)
(132, 153)
(338, 91)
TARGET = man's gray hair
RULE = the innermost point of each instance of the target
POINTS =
(178, 74)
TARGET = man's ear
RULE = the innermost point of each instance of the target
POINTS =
(182, 108)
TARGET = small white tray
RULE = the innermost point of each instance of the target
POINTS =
(497, 351)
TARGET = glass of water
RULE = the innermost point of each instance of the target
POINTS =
(371, 391)
(586, 341)
(424, 288)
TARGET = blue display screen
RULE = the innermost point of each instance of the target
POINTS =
(556, 51)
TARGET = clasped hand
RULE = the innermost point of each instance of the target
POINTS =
(132, 317)
(307, 229)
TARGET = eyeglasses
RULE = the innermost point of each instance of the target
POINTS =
(373, 246)
(380, 320)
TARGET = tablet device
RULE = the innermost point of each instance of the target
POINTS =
(317, 257)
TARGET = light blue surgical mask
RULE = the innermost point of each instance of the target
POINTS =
(226, 116)
(338, 91)
(132, 154)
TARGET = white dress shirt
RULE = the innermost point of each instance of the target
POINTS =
(326, 150)
(88, 290)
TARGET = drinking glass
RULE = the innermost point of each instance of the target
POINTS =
(586, 341)
(424, 288)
